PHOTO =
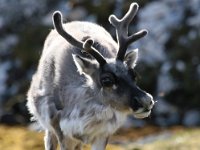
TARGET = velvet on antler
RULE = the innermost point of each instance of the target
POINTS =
(87, 45)
(121, 26)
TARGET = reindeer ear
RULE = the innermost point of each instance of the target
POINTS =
(84, 65)
(131, 58)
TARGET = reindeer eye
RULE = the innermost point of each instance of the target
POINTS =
(107, 80)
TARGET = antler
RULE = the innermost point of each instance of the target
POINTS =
(87, 45)
(121, 26)
(90, 49)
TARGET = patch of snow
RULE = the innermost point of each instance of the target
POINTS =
(183, 40)
(180, 66)
(14, 11)
(159, 17)
(192, 34)
(7, 42)
(166, 114)
(4, 67)
(194, 6)
(1, 22)
(165, 82)
(191, 118)
(194, 21)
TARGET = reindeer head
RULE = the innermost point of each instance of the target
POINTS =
(116, 77)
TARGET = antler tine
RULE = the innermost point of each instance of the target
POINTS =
(57, 21)
(91, 50)
(121, 26)
(87, 45)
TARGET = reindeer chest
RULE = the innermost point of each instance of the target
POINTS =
(86, 126)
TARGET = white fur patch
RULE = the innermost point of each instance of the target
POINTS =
(92, 126)
(142, 114)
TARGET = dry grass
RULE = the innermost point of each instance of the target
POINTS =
(19, 138)
(187, 139)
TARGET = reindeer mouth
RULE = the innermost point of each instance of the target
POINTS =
(142, 113)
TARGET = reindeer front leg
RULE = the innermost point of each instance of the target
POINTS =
(50, 141)
(100, 143)
(50, 116)
(54, 116)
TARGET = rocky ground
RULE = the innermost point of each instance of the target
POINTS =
(148, 138)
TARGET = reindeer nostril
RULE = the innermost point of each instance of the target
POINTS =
(151, 102)
(136, 104)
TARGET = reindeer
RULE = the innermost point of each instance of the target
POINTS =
(85, 84)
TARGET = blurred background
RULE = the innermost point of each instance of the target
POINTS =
(169, 56)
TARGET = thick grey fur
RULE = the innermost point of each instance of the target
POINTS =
(67, 98)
